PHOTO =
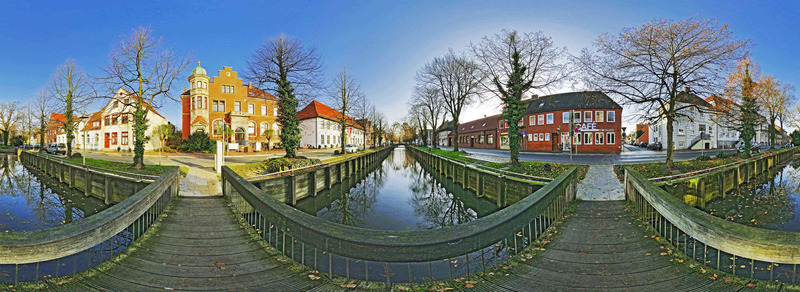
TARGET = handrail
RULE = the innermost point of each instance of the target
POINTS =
(401, 246)
(301, 169)
(491, 170)
(119, 174)
(703, 171)
(731, 240)
(61, 241)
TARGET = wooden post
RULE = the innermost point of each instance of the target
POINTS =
(313, 182)
(465, 176)
(478, 188)
(107, 190)
(293, 188)
(721, 182)
(501, 191)
(87, 189)
(71, 177)
(327, 177)
(701, 190)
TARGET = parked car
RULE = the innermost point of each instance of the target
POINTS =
(635, 143)
(57, 148)
(753, 149)
(350, 148)
(655, 146)
(643, 145)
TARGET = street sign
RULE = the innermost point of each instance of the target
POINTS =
(523, 133)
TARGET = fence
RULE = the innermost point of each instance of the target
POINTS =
(698, 187)
(108, 185)
(727, 246)
(398, 256)
(77, 246)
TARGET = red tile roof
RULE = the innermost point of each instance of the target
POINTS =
(484, 124)
(95, 117)
(318, 109)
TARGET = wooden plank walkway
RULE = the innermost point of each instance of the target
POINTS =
(200, 246)
(601, 248)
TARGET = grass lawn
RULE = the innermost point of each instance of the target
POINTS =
(123, 166)
(535, 168)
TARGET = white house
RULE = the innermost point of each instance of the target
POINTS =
(111, 128)
(319, 127)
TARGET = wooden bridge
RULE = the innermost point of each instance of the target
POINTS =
(200, 246)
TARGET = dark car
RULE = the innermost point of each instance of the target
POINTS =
(635, 143)
(655, 146)
(643, 145)
(753, 149)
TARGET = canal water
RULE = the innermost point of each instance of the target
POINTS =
(769, 202)
(398, 195)
(30, 200)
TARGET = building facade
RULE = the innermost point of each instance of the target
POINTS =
(645, 137)
(112, 127)
(320, 128)
(596, 125)
(225, 102)
(480, 133)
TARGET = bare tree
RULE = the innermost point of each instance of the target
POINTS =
(345, 96)
(362, 112)
(514, 65)
(141, 65)
(9, 116)
(71, 87)
(290, 70)
(42, 108)
(773, 98)
(649, 65)
(786, 111)
(458, 79)
(429, 99)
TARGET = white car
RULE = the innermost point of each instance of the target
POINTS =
(350, 148)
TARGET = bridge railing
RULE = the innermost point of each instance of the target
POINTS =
(723, 245)
(399, 256)
(74, 247)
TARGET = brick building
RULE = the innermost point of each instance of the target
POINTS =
(645, 137)
(480, 133)
(210, 105)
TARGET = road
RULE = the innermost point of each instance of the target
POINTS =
(635, 155)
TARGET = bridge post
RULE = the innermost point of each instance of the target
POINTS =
(478, 187)
(87, 176)
(501, 191)
(293, 188)
(701, 191)
(71, 177)
(464, 183)
(327, 177)
(312, 178)
(107, 190)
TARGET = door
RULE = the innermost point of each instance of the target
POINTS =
(471, 142)
(555, 141)
(107, 140)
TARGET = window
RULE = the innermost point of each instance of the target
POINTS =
(322, 138)
(251, 108)
(263, 110)
(216, 128)
(107, 120)
(125, 119)
(550, 118)
(194, 106)
(263, 129)
(232, 89)
(577, 139)
(499, 124)
(114, 138)
(611, 116)
(490, 139)
(124, 138)
(505, 124)
(205, 102)
(565, 117)
(680, 130)
(215, 106)
(237, 106)
(530, 137)
(540, 119)
(598, 116)
(532, 120)
(480, 139)
(222, 105)
(276, 130)
(611, 138)
(587, 116)
(251, 128)
(547, 136)
(577, 117)
(681, 145)
(535, 138)
(598, 138)
(587, 138)
(275, 111)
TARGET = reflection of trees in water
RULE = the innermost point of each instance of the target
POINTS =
(8, 175)
(439, 207)
(770, 203)
(351, 207)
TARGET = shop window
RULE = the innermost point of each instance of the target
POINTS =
(587, 138)
(598, 138)
(611, 138)
(530, 137)
(535, 138)
(547, 136)
(541, 136)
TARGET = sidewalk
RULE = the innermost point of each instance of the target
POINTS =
(200, 183)
(600, 184)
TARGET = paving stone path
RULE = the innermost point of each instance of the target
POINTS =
(200, 182)
(600, 184)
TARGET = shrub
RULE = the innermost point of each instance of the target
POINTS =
(703, 158)
(198, 142)
(76, 155)
(336, 152)
(721, 155)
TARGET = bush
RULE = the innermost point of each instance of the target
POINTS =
(703, 158)
(721, 154)
(336, 152)
(198, 142)
(76, 155)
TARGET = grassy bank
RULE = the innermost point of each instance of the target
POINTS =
(658, 169)
(535, 168)
(124, 166)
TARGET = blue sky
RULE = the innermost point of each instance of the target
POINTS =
(382, 43)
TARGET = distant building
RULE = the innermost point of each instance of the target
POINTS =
(645, 137)
(320, 128)
(480, 133)
(546, 123)
(112, 127)
(210, 106)
(443, 134)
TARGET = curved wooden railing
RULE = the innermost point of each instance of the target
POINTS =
(780, 155)
(402, 255)
(73, 247)
(717, 243)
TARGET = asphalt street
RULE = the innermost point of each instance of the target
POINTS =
(634, 155)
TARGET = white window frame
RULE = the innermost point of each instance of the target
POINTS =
(565, 117)
(535, 138)
(587, 117)
(611, 116)
(237, 106)
(611, 138)
(541, 136)
(598, 116)
(601, 137)
(589, 140)
(251, 108)
(530, 137)
(550, 118)
(532, 120)
(540, 119)
(547, 136)
(577, 117)
(263, 109)
(275, 111)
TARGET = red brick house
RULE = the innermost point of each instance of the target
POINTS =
(645, 137)
(546, 124)
(480, 133)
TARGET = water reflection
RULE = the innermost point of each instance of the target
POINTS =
(397, 194)
(769, 202)
(30, 200)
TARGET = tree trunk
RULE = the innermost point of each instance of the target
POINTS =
(670, 143)
(455, 133)
(343, 125)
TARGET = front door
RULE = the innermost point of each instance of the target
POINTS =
(108, 140)
(555, 141)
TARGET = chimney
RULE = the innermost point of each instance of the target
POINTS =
(184, 88)
(249, 84)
